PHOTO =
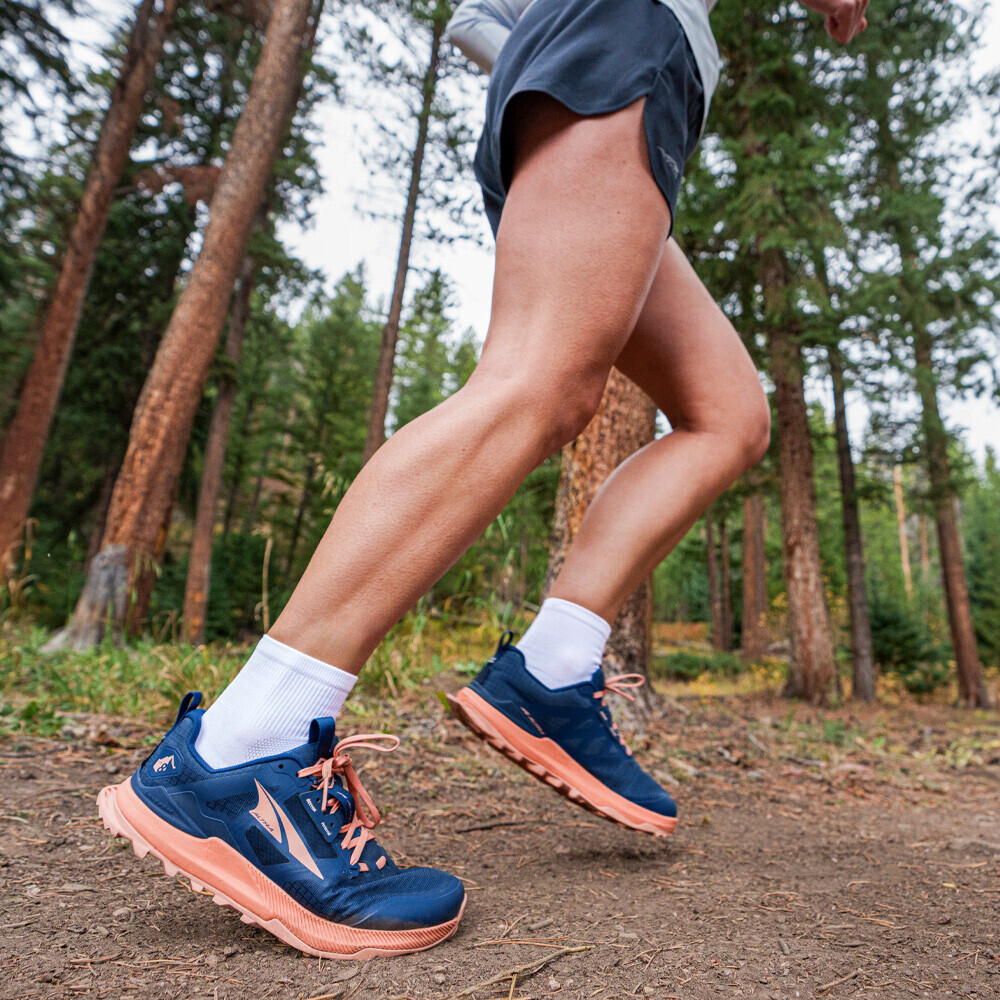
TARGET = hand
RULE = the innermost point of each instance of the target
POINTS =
(844, 19)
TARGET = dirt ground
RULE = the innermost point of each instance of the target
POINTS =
(836, 855)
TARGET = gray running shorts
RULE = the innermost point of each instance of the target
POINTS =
(595, 57)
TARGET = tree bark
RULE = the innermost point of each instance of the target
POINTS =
(200, 561)
(311, 469)
(904, 542)
(925, 550)
(250, 518)
(863, 657)
(972, 690)
(811, 670)
(24, 441)
(158, 440)
(101, 511)
(103, 603)
(714, 590)
(753, 634)
(725, 586)
(624, 422)
(390, 332)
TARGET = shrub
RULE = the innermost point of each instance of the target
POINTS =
(903, 645)
(687, 666)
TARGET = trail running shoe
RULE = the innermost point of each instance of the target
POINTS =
(566, 738)
(285, 840)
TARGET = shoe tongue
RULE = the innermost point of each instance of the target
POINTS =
(597, 679)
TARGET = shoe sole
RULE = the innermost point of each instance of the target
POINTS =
(548, 762)
(213, 866)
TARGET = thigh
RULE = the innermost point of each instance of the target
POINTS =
(686, 355)
(579, 240)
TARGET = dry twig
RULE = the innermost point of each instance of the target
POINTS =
(524, 971)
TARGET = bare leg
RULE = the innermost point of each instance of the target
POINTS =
(577, 251)
(689, 359)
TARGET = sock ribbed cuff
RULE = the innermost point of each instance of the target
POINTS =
(269, 705)
(564, 644)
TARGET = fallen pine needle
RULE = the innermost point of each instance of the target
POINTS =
(528, 969)
(539, 942)
(837, 982)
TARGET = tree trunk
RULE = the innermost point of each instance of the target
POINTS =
(101, 511)
(103, 603)
(390, 332)
(714, 590)
(251, 515)
(158, 440)
(200, 562)
(972, 690)
(863, 657)
(904, 542)
(24, 441)
(242, 433)
(726, 587)
(811, 669)
(753, 636)
(925, 551)
(624, 422)
(311, 469)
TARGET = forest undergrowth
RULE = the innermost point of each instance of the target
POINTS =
(846, 851)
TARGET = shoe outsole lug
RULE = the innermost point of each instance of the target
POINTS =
(115, 824)
(468, 717)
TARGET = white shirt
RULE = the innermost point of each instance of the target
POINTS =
(479, 29)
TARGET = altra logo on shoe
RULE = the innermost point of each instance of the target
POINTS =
(272, 817)
(165, 765)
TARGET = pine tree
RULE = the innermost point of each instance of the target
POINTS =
(423, 376)
(436, 159)
(933, 267)
(862, 656)
(758, 213)
(326, 437)
(24, 439)
(982, 543)
(144, 491)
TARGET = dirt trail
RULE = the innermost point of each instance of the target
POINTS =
(869, 874)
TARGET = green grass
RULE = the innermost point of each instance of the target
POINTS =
(145, 680)
(685, 665)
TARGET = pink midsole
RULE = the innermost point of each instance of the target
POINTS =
(550, 756)
(226, 871)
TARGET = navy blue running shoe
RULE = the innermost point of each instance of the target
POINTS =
(566, 738)
(285, 840)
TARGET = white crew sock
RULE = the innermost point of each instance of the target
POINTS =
(269, 705)
(564, 644)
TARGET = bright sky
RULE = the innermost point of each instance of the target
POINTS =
(342, 235)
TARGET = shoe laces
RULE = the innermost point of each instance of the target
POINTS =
(358, 831)
(619, 684)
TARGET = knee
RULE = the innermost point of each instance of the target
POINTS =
(753, 427)
(552, 406)
(570, 405)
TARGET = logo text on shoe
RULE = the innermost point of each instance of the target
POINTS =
(165, 765)
(273, 819)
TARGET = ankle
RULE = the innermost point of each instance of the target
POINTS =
(564, 644)
(269, 705)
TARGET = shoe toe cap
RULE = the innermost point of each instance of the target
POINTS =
(659, 802)
(414, 897)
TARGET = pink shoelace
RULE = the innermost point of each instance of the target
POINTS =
(621, 684)
(357, 832)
